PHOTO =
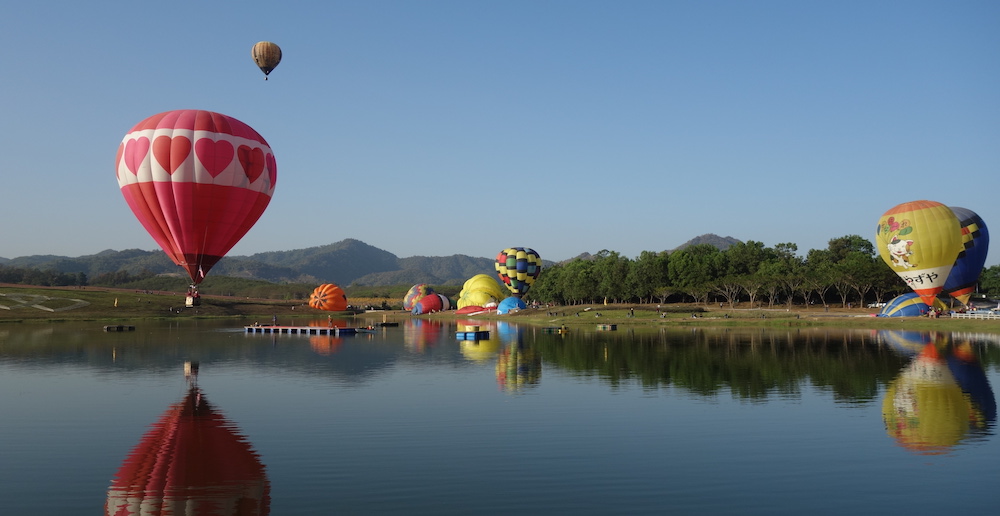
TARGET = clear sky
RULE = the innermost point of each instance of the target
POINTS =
(463, 127)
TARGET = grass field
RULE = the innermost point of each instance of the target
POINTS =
(24, 304)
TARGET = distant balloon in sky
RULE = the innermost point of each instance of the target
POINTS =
(518, 268)
(328, 297)
(197, 181)
(964, 276)
(920, 241)
(266, 56)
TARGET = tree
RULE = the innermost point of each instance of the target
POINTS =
(694, 269)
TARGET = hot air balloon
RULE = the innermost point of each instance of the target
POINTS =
(909, 305)
(518, 267)
(266, 55)
(964, 276)
(415, 294)
(328, 297)
(920, 241)
(480, 290)
(510, 304)
(197, 181)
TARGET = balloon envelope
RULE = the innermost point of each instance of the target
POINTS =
(518, 268)
(920, 241)
(432, 302)
(415, 294)
(909, 304)
(964, 276)
(266, 56)
(328, 297)
(509, 304)
(197, 181)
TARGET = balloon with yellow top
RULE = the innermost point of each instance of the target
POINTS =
(920, 241)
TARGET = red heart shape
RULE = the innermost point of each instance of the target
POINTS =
(252, 160)
(215, 156)
(170, 153)
(272, 169)
(135, 153)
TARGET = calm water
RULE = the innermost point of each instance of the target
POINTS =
(412, 421)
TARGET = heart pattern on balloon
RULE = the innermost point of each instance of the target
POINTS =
(135, 153)
(272, 169)
(215, 156)
(252, 160)
(170, 153)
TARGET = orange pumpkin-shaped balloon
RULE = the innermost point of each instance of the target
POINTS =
(328, 297)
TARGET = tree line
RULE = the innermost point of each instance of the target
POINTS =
(847, 272)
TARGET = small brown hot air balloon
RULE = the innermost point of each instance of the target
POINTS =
(266, 55)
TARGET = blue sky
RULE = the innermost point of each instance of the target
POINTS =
(463, 127)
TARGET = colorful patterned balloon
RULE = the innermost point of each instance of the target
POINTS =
(964, 275)
(518, 268)
(415, 294)
(920, 241)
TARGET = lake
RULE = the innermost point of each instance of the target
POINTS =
(199, 417)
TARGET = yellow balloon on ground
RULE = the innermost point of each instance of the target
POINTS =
(480, 290)
(920, 241)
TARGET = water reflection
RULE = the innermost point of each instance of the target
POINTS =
(519, 365)
(941, 398)
(421, 334)
(192, 461)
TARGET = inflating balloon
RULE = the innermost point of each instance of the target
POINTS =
(920, 241)
(909, 305)
(266, 56)
(197, 181)
(964, 276)
(415, 294)
(510, 304)
(328, 297)
(518, 268)
(480, 290)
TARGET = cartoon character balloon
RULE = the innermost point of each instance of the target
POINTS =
(328, 297)
(920, 241)
(266, 56)
(518, 267)
(197, 181)
(961, 282)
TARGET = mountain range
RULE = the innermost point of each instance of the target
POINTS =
(348, 262)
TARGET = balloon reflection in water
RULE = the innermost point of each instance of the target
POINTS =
(927, 410)
(193, 461)
(518, 367)
(419, 334)
(327, 344)
(481, 350)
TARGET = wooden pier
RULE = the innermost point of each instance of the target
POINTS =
(308, 330)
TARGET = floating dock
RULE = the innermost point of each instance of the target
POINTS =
(308, 330)
(472, 335)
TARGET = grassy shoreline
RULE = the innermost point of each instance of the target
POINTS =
(47, 305)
